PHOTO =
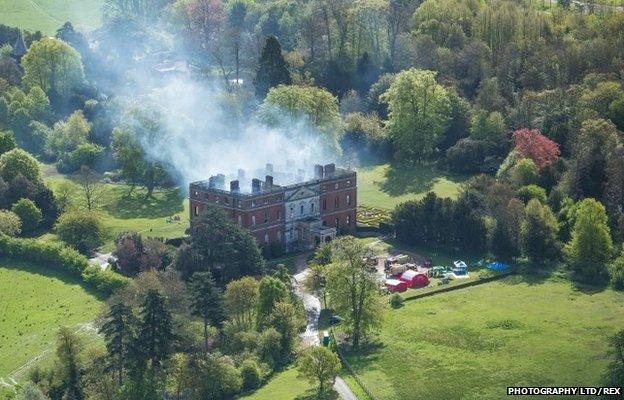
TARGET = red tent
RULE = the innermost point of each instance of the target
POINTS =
(395, 285)
(414, 278)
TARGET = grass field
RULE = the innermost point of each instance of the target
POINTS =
(384, 186)
(283, 385)
(474, 342)
(34, 302)
(120, 212)
(48, 15)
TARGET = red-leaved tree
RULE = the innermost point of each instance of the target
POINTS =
(530, 143)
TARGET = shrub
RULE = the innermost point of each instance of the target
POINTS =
(524, 172)
(396, 301)
(16, 162)
(10, 224)
(28, 213)
(106, 281)
(528, 192)
(80, 229)
(252, 376)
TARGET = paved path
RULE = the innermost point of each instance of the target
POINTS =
(312, 306)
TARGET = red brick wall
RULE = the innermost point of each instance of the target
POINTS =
(339, 200)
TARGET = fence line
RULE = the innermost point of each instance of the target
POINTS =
(346, 364)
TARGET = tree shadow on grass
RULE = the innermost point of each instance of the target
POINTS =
(313, 394)
(164, 203)
(402, 179)
(50, 272)
(588, 288)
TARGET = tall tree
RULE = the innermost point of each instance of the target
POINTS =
(155, 338)
(419, 112)
(272, 69)
(241, 301)
(271, 291)
(119, 331)
(590, 246)
(319, 365)
(538, 234)
(68, 352)
(91, 187)
(615, 370)
(206, 302)
(353, 289)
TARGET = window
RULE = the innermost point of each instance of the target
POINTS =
(266, 216)
(196, 211)
(336, 202)
(348, 200)
(253, 203)
(279, 214)
(227, 201)
(217, 199)
(266, 238)
(292, 211)
(301, 211)
(253, 220)
(335, 185)
(337, 222)
(240, 220)
(195, 193)
(324, 204)
(279, 235)
(312, 207)
(348, 183)
(348, 220)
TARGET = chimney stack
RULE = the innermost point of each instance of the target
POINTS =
(234, 186)
(300, 175)
(211, 181)
(220, 181)
(241, 174)
(318, 171)
(255, 185)
(268, 181)
(269, 169)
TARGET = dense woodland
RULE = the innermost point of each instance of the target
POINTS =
(526, 97)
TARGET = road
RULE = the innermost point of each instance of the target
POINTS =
(312, 306)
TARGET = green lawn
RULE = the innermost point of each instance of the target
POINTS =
(474, 342)
(386, 185)
(120, 212)
(48, 15)
(282, 386)
(34, 302)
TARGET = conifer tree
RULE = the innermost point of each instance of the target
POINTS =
(119, 330)
(155, 340)
(206, 302)
(272, 69)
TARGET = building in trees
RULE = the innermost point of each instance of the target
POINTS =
(309, 210)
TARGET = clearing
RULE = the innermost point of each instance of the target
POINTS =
(35, 301)
(474, 342)
(49, 15)
(386, 185)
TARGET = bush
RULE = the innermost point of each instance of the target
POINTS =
(528, 192)
(525, 172)
(616, 273)
(252, 376)
(29, 214)
(80, 229)
(396, 301)
(10, 224)
(58, 256)
(16, 162)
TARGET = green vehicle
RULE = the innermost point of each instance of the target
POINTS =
(437, 272)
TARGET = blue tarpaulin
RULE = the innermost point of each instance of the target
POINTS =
(498, 266)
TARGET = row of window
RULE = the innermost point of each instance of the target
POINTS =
(337, 202)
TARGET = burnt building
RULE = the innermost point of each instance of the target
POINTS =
(320, 204)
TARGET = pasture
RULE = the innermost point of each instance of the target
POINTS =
(35, 301)
(474, 342)
(49, 15)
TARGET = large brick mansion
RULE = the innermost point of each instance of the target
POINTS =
(297, 216)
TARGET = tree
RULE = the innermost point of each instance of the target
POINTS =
(206, 302)
(215, 377)
(91, 188)
(155, 339)
(590, 246)
(285, 104)
(128, 251)
(251, 374)
(530, 143)
(10, 224)
(69, 363)
(28, 213)
(352, 289)
(320, 365)
(30, 391)
(419, 112)
(615, 369)
(225, 249)
(7, 141)
(616, 272)
(66, 137)
(241, 301)
(53, 65)
(272, 69)
(83, 230)
(284, 319)
(16, 162)
(538, 233)
(316, 281)
(524, 172)
(119, 331)
(270, 292)
(488, 126)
